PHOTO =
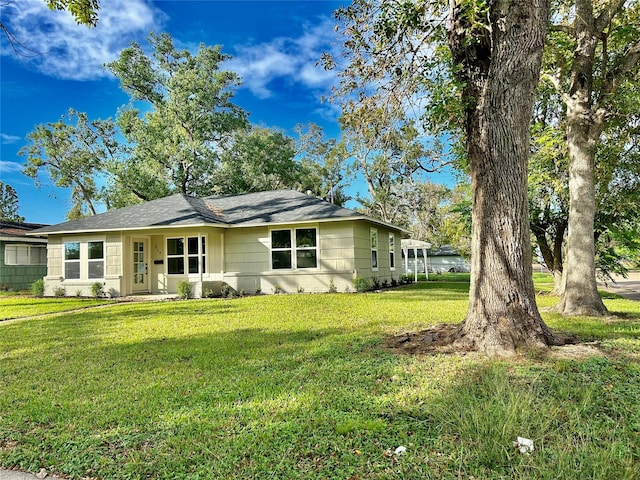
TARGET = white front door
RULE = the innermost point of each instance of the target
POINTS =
(140, 268)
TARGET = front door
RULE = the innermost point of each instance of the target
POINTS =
(140, 270)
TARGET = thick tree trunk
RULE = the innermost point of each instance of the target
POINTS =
(501, 74)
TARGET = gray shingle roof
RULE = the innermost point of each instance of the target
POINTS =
(279, 206)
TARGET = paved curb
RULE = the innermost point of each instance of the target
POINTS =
(13, 475)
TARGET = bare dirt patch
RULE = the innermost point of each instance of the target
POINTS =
(441, 339)
(437, 339)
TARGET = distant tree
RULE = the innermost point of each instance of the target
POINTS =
(258, 159)
(9, 204)
(186, 118)
(323, 161)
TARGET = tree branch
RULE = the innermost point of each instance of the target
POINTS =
(607, 14)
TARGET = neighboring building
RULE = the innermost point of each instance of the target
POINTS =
(446, 259)
(22, 259)
(259, 242)
(437, 260)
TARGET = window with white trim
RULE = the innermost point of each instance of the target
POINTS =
(25, 255)
(294, 249)
(392, 251)
(72, 260)
(306, 248)
(191, 259)
(95, 253)
(374, 249)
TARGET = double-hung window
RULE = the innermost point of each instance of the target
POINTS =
(306, 248)
(374, 249)
(175, 256)
(294, 249)
(96, 259)
(72, 260)
(191, 259)
(392, 251)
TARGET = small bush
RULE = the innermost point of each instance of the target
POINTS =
(375, 283)
(184, 289)
(78, 293)
(207, 293)
(277, 289)
(332, 286)
(300, 289)
(37, 288)
(361, 284)
(59, 291)
(97, 289)
(394, 282)
(226, 290)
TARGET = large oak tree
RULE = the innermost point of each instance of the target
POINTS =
(495, 50)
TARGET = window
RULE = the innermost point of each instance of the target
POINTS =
(72, 260)
(392, 251)
(374, 249)
(285, 254)
(96, 259)
(175, 256)
(306, 248)
(25, 255)
(280, 249)
(190, 260)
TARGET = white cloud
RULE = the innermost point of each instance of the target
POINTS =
(60, 48)
(10, 167)
(7, 139)
(290, 59)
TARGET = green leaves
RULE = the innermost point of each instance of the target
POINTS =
(9, 204)
(73, 151)
(188, 118)
(84, 12)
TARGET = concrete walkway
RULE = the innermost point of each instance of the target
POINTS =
(627, 287)
(11, 475)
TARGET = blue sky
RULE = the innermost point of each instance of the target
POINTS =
(275, 45)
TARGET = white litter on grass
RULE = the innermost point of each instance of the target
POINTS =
(400, 451)
(525, 445)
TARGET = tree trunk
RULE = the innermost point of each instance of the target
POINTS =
(580, 293)
(500, 73)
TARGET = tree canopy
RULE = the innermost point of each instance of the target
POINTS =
(9, 204)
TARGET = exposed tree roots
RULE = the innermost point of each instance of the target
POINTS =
(449, 339)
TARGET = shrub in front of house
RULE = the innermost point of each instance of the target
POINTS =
(59, 292)
(97, 290)
(361, 284)
(37, 288)
(184, 289)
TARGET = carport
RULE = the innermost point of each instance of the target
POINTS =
(409, 244)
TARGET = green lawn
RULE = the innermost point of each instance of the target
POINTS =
(16, 306)
(298, 386)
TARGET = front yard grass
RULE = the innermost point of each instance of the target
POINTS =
(298, 386)
(16, 306)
